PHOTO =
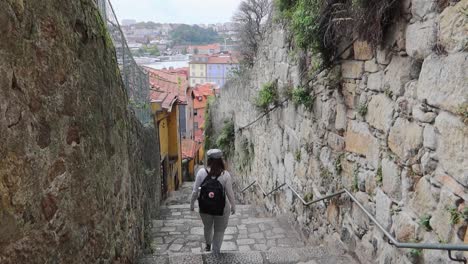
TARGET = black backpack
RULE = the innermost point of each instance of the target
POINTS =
(212, 198)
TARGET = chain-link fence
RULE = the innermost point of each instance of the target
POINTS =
(136, 80)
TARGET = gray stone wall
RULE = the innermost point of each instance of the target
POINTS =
(78, 174)
(391, 132)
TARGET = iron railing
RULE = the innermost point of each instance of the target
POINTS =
(135, 79)
(391, 240)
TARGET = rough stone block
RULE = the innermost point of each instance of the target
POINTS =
(421, 116)
(453, 32)
(405, 138)
(380, 112)
(391, 178)
(405, 227)
(352, 69)
(383, 205)
(420, 8)
(440, 220)
(400, 71)
(371, 66)
(421, 38)
(349, 93)
(452, 185)
(375, 81)
(443, 81)
(452, 146)
(430, 137)
(358, 139)
(362, 50)
(335, 142)
(384, 56)
(423, 200)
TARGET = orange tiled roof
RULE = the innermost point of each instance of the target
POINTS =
(168, 86)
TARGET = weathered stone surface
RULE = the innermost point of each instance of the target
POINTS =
(424, 117)
(383, 205)
(359, 140)
(443, 81)
(404, 227)
(421, 38)
(430, 137)
(391, 178)
(420, 8)
(375, 81)
(349, 93)
(440, 220)
(79, 176)
(380, 112)
(405, 138)
(371, 66)
(428, 163)
(452, 185)
(362, 50)
(453, 146)
(352, 69)
(336, 142)
(384, 56)
(400, 71)
(424, 200)
(453, 32)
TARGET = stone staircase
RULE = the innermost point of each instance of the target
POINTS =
(177, 237)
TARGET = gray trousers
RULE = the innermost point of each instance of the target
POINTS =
(218, 224)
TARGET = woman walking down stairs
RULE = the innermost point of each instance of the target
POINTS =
(177, 237)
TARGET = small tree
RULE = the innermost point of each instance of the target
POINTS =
(250, 19)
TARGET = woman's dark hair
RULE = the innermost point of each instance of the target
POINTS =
(216, 167)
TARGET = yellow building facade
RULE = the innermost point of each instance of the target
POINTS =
(167, 120)
(197, 73)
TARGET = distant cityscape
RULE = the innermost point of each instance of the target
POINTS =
(173, 46)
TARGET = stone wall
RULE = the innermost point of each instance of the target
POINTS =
(78, 174)
(391, 131)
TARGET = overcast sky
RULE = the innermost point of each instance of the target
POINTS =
(176, 11)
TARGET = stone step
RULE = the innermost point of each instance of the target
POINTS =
(317, 255)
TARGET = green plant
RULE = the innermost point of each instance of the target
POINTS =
(362, 109)
(415, 252)
(388, 92)
(324, 173)
(454, 215)
(338, 166)
(226, 138)
(209, 130)
(301, 96)
(464, 214)
(424, 221)
(379, 176)
(395, 210)
(305, 25)
(463, 112)
(355, 186)
(245, 154)
(267, 95)
(308, 197)
(297, 155)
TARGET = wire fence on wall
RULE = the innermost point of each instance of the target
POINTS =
(135, 79)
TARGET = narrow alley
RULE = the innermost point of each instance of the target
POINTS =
(251, 237)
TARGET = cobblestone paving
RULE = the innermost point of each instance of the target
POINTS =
(178, 230)
(177, 237)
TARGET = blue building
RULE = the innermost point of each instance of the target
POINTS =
(219, 68)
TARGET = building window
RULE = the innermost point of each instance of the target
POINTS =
(195, 125)
(195, 112)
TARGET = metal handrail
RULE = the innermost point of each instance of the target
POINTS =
(391, 239)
